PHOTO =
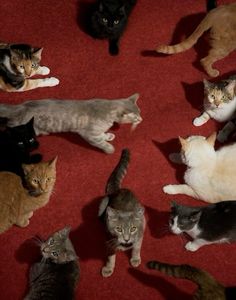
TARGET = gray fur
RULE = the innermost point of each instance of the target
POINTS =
(91, 119)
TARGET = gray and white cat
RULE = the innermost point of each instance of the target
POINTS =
(214, 223)
(56, 276)
(91, 119)
(124, 218)
(219, 104)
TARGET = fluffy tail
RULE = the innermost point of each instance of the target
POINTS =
(114, 181)
(211, 4)
(200, 277)
(190, 41)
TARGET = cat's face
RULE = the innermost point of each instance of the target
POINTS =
(217, 94)
(125, 226)
(183, 218)
(58, 247)
(196, 149)
(40, 177)
(131, 112)
(24, 59)
(111, 18)
(23, 136)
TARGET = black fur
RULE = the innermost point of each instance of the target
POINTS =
(16, 143)
(105, 17)
(211, 4)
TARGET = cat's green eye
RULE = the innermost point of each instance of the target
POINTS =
(104, 20)
(54, 254)
(116, 22)
(34, 65)
(133, 229)
(118, 229)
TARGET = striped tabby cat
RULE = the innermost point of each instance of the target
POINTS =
(19, 62)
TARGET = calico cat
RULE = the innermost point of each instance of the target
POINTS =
(89, 118)
(214, 223)
(221, 23)
(210, 174)
(19, 62)
(109, 20)
(16, 143)
(208, 287)
(124, 218)
(18, 203)
(57, 275)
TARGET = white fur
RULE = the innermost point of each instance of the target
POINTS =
(174, 228)
(6, 63)
(224, 112)
(211, 175)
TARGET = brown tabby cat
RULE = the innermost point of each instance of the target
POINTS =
(17, 203)
(208, 287)
(18, 62)
(221, 22)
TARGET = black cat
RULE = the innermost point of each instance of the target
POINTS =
(109, 20)
(16, 143)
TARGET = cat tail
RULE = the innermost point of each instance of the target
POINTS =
(211, 4)
(114, 181)
(188, 42)
(198, 276)
(9, 111)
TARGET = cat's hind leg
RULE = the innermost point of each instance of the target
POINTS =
(99, 141)
(202, 119)
(135, 260)
(108, 269)
(174, 189)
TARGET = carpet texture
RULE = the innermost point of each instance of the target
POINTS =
(171, 95)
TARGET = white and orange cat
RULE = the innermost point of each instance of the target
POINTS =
(210, 174)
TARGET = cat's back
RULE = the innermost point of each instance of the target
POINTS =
(124, 200)
(10, 186)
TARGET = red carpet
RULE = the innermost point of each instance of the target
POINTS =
(171, 94)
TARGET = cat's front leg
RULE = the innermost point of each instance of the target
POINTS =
(202, 119)
(113, 46)
(42, 70)
(31, 84)
(174, 189)
(108, 269)
(135, 260)
(196, 244)
(225, 132)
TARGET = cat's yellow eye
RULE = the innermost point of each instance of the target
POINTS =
(33, 65)
(116, 22)
(133, 229)
(21, 66)
(104, 20)
(118, 229)
(35, 180)
(48, 179)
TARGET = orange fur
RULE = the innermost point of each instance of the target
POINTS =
(221, 22)
(17, 203)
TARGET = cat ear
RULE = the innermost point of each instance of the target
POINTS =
(183, 142)
(207, 84)
(195, 216)
(38, 52)
(134, 98)
(31, 122)
(211, 139)
(53, 162)
(100, 7)
(173, 204)
(111, 213)
(14, 53)
(122, 9)
(231, 86)
(139, 212)
(27, 168)
(65, 231)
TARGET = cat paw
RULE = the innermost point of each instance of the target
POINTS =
(161, 49)
(106, 271)
(23, 223)
(190, 246)
(135, 262)
(110, 136)
(169, 189)
(44, 70)
(109, 149)
(213, 73)
(221, 137)
(198, 122)
(52, 81)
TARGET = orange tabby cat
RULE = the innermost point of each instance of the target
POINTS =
(17, 203)
(221, 22)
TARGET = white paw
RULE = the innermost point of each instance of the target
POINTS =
(190, 246)
(44, 70)
(109, 149)
(135, 262)
(106, 271)
(110, 136)
(169, 189)
(221, 136)
(52, 81)
(198, 121)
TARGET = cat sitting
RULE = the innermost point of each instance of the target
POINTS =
(18, 203)
(219, 104)
(208, 287)
(221, 23)
(124, 218)
(16, 143)
(89, 118)
(19, 62)
(202, 223)
(210, 174)
(57, 275)
(109, 20)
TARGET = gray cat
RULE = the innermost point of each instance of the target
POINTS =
(214, 223)
(56, 276)
(124, 218)
(91, 119)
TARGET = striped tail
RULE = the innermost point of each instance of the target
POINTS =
(190, 41)
(200, 277)
(114, 181)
